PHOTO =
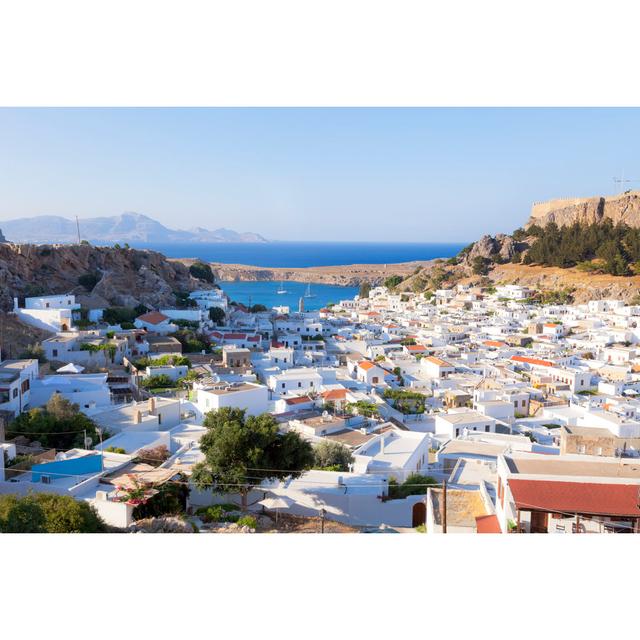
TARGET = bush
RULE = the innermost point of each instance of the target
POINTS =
(480, 266)
(248, 521)
(332, 456)
(415, 485)
(216, 314)
(392, 282)
(113, 449)
(161, 381)
(201, 271)
(59, 425)
(48, 513)
(89, 280)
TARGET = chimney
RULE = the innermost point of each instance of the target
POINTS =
(152, 405)
(138, 417)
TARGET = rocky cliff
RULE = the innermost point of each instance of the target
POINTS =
(113, 277)
(624, 207)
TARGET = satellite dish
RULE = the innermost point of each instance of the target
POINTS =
(88, 441)
(325, 414)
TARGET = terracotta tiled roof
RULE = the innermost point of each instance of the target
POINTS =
(536, 361)
(576, 497)
(439, 361)
(416, 347)
(298, 400)
(487, 524)
(153, 317)
(366, 365)
(335, 394)
(494, 343)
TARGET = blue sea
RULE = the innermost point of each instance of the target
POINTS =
(306, 254)
(265, 293)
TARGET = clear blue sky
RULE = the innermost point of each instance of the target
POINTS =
(303, 174)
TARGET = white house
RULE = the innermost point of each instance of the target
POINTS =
(51, 313)
(370, 373)
(295, 380)
(395, 453)
(453, 423)
(245, 395)
(16, 380)
(156, 322)
(436, 367)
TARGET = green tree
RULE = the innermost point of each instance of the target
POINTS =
(415, 485)
(362, 408)
(365, 289)
(59, 424)
(480, 266)
(20, 515)
(201, 271)
(240, 452)
(392, 281)
(332, 455)
(217, 315)
(48, 513)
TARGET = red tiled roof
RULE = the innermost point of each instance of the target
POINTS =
(153, 317)
(576, 497)
(335, 394)
(487, 524)
(298, 400)
(366, 365)
(415, 347)
(494, 343)
(536, 361)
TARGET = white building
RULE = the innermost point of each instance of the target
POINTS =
(51, 313)
(454, 423)
(16, 379)
(254, 398)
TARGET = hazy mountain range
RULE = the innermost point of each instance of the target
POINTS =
(127, 227)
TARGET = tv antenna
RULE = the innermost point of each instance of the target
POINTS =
(622, 181)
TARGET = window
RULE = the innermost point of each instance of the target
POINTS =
(55, 353)
(524, 403)
(457, 432)
(487, 428)
(299, 384)
(15, 393)
(283, 385)
(375, 380)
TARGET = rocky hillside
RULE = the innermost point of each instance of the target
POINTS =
(99, 276)
(531, 255)
(624, 207)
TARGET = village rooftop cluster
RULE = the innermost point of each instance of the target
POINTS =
(518, 417)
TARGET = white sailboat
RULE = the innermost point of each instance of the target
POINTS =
(308, 294)
(281, 289)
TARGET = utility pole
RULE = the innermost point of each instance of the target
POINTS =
(444, 506)
(78, 228)
(322, 512)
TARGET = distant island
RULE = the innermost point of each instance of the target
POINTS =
(127, 227)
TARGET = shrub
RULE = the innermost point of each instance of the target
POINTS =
(89, 280)
(332, 456)
(248, 521)
(216, 314)
(392, 281)
(158, 382)
(415, 485)
(201, 271)
(113, 449)
(48, 513)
